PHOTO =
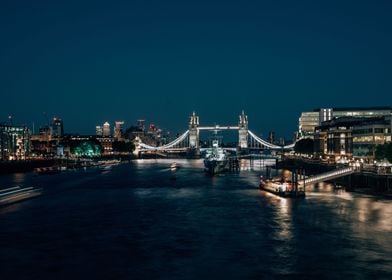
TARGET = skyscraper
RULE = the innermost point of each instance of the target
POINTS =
(57, 128)
(271, 137)
(141, 125)
(118, 129)
(106, 130)
(99, 130)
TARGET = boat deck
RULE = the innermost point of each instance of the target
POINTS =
(281, 189)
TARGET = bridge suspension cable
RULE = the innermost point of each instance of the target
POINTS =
(167, 146)
(268, 144)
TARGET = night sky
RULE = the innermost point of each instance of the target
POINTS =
(161, 60)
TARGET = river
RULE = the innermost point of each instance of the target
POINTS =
(141, 220)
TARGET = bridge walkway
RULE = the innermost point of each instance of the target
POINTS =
(330, 175)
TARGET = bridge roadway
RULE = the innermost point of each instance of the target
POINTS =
(218, 127)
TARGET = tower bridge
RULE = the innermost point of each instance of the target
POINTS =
(189, 141)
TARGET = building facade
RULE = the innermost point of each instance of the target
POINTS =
(368, 135)
(99, 130)
(308, 121)
(14, 142)
(333, 139)
(106, 130)
(119, 130)
(57, 128)
(106, 144)
(348, 137)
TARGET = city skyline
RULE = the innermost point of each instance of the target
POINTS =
(162, 61)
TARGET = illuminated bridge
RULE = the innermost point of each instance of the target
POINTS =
(190, 141)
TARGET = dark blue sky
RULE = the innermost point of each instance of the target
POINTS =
(160, 60)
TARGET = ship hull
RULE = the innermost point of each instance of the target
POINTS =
(213, 167)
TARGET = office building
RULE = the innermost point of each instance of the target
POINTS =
(14, 142)
(106, 130)
(119, 130)
(57, 128)
(348, 137)
(99, 130)
(309, 120)
(141, 124)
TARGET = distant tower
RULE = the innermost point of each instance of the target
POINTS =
(243, 131)
(271, 137)
(99, 130)
(57, 128)
(194, 132)
(141, 125)
(118, 130)
(106, 130)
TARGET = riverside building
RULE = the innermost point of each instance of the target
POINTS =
(14, 142)
(308, 121)
(348, 137)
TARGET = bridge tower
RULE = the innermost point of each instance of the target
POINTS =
(194, 132)
(136, 142)
(243, 131)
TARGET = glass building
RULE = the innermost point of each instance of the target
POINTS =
(119, 130)
(349, 137)
(106, 129)
(57, 128)
(309, 120)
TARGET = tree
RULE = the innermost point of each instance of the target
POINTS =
(304, 146)
(384, 151)
(88, 148)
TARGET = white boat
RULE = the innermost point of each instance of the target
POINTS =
(281, 188)
(216, 159)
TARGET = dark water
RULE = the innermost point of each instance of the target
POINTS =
(135, 222)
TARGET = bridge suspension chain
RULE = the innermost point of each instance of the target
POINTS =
(267, 144)
(170, 145)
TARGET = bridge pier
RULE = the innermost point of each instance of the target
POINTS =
(234, 164)
(193, 153)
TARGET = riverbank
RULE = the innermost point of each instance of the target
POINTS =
(8, 167)
(368, 181)
(22, 166)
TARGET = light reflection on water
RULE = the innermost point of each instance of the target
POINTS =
(284, 219)
(19, 178)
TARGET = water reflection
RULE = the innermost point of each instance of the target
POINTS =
(194, 225)
(19, 178)
(284, 219)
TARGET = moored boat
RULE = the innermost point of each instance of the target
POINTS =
(48, 170)
(216, 160)
(281, 188)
